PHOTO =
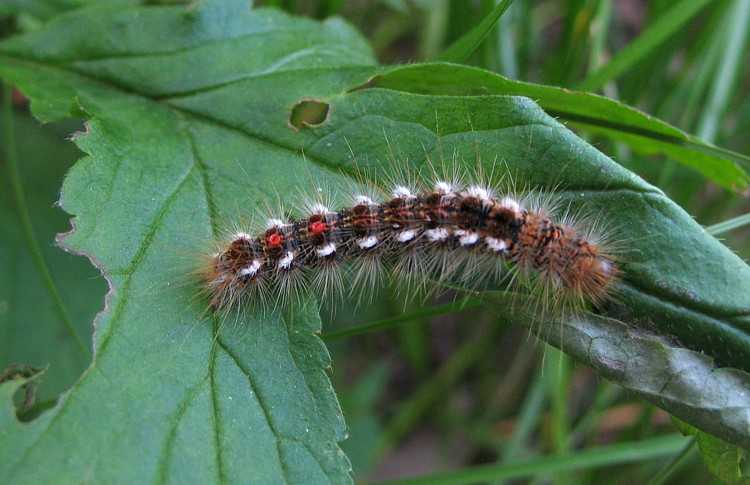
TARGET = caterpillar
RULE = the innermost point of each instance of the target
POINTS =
(421, 233)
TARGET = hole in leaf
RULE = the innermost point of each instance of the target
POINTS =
(308, 113)
(25, 399)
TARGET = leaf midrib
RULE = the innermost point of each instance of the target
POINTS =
(217, 342)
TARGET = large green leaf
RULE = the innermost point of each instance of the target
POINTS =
(594, 113)
(190, 113)
(32, 330)
(681, 380)
(170, 395)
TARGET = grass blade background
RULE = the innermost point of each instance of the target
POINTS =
(625, 60)
(465, 46)
(555, 464)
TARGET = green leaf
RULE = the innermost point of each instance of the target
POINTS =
(43, 10)
(173, 395)
(191, 123)
(686, 383)
(643, 133)
(729, 463)
(33, 329)
(464, 47)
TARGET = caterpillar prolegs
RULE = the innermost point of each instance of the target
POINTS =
(424, 234)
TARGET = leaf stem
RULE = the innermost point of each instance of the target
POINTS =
(11, 155)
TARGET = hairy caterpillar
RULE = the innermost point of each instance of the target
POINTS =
(421, 233)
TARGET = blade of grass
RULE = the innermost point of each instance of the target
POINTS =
(529, 36)
(590, 458)
(435, 29)
(684, 456)
(506, 40)
(607, 393)
(694, 85)
(413, 409)
(412, 343)
(11, 162)
(460, 50)
(557, 366)
(599, 30)
(528, 418)
(693, 88)
(726, 75)
(729, 225)
(387, 323)
(658, 32)
(557, 369)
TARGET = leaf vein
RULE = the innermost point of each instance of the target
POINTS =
(166, 454)
(261, 403)
(215, 410)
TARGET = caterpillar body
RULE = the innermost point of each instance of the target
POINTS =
(421, 234)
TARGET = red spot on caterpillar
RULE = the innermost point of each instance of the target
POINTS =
(274, 240)
(317, 228)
